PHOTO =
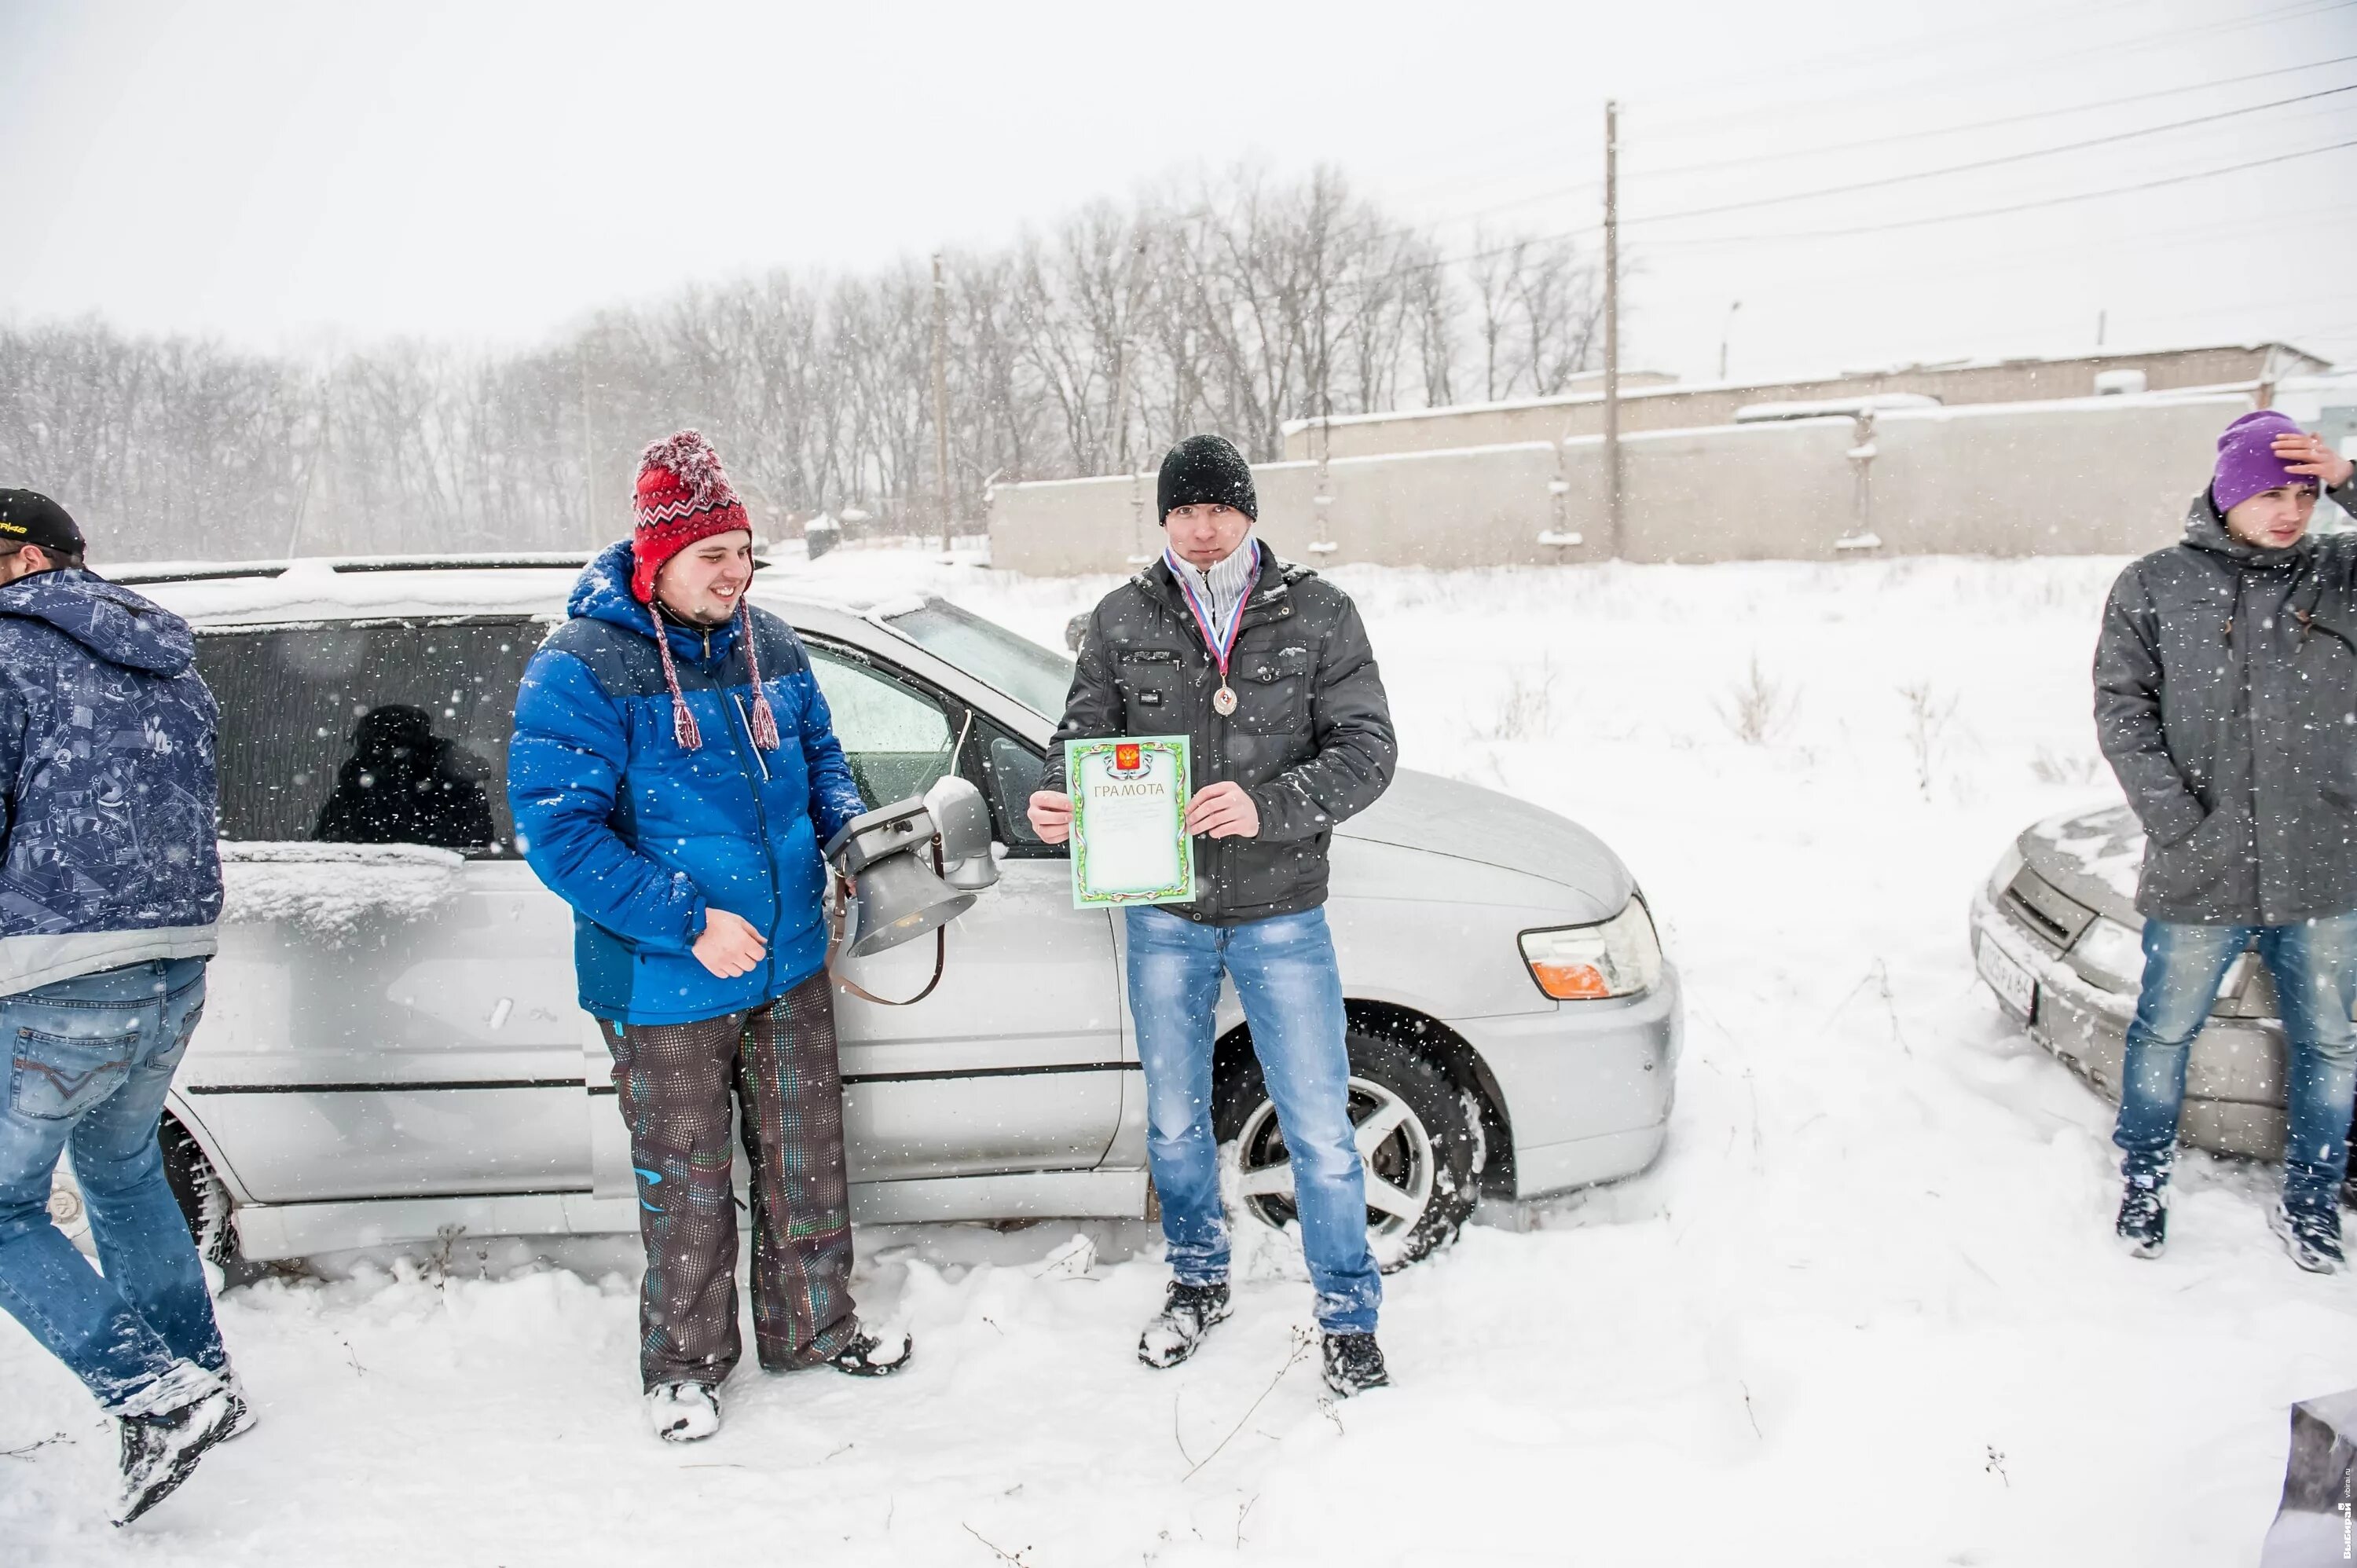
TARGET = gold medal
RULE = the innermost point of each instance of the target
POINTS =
(1224, 700)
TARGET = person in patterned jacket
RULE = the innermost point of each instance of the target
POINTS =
(673, 773)
(110, 885)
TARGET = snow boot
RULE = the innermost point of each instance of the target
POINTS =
(873, 1355)
(684, 1413)
(2143, 1225)
(1187, 1315)
(1354, 1364)
(243, 1421)
(160, 1451)
(2311, 1235)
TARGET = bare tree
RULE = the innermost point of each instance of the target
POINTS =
(1232, 303)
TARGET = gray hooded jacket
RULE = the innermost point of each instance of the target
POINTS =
(2226, 702)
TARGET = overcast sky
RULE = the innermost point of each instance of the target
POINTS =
(297, 176)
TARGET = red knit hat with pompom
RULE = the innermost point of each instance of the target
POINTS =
(683, 496)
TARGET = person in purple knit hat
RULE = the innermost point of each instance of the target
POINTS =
(2226, 701)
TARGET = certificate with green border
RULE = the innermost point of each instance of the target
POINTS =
(1129, 821)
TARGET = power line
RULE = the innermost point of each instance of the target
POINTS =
(2015, 207)
(1888, 180)
(1689, 130)
(1584, 187)
(2002, 121)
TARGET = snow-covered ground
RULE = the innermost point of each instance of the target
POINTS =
(1864, 1310)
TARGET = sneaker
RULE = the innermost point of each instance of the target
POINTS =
(1187, 1315)
(684, 1413)
(1354, 1364)
(161, 1450)
(2312, 1236)
(2143, 1226)
(873, 1355)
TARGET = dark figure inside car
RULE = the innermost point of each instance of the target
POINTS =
(400, 785)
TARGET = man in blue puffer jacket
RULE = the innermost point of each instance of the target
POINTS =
(673, 773)
(110, 885)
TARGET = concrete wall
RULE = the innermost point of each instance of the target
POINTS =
(2091, 476)
(1676, 407)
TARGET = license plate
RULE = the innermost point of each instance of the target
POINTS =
(2007, 979)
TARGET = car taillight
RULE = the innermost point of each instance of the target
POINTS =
(1619, 957)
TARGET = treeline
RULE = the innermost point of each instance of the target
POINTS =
(1234, 305)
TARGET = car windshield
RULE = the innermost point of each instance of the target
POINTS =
(989, 652)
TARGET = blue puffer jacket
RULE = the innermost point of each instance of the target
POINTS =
(642, 836)
(107, 755)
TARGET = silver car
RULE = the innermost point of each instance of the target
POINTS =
(2056, 936)
(391, 1050)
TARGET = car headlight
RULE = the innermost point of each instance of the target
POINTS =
(2009, 866)
(1619, 957)
(2110, 954)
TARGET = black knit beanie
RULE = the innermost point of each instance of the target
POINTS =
(1204, 469)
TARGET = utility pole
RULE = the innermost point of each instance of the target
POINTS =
(1612, 489)
(1726, 331)
(942, 394)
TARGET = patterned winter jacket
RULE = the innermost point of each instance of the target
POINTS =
(642, 836)
(107, 754)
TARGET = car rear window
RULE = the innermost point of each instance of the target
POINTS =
(369, 732)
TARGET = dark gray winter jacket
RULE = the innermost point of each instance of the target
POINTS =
(2226, 701)
(1310, 739)
(107, 855)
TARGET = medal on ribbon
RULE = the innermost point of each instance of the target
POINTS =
(1219, 637)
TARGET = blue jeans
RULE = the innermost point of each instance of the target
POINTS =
(2315, 968)
(1292, 992)
(89, 1060)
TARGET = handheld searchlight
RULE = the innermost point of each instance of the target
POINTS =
(887, 857)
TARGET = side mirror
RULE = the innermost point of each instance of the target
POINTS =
(962, 820)
(1074, 629)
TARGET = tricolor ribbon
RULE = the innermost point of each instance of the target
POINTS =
(1220, 639)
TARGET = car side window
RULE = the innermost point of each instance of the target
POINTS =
(1010, 772)
(897, 738)
(382, 732)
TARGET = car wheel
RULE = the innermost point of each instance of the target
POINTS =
(203, 1197)
(1417, 1137)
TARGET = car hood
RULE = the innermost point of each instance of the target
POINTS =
(1465, 821)
(2093, 855)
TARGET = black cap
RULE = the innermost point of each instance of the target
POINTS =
(1203, 470)
(29, 517)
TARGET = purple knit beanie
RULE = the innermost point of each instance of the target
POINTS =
(2247, 463)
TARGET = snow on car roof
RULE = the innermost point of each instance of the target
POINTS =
(339, 587)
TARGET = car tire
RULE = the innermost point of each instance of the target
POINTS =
(1421, 1178)
(203, 1195)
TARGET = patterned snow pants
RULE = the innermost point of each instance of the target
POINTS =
(674, 1083)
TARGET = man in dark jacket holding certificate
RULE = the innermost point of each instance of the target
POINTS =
(1266, 667)
(2226, 699)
